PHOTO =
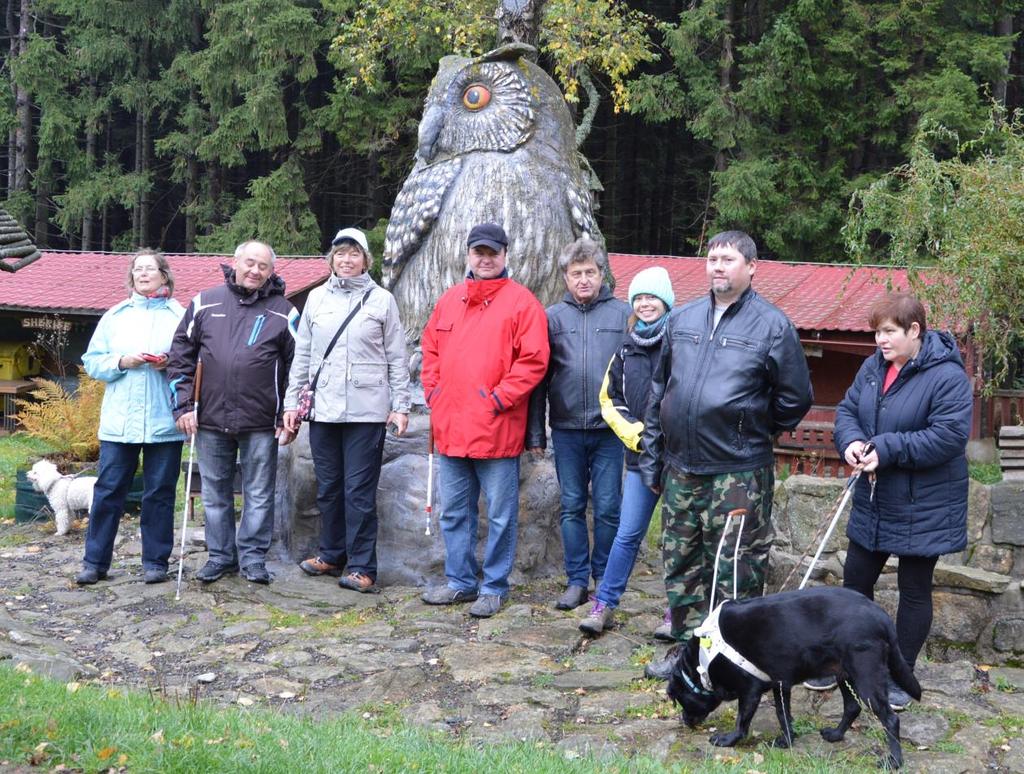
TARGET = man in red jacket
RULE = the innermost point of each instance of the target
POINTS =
(485, 348)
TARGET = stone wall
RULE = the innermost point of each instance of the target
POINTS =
(977, 594)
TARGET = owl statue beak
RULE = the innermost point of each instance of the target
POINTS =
(430, 128)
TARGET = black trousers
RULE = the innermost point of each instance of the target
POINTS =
(914, 578)
(347, 459)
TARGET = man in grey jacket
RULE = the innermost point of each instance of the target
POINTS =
(584, 330)
(732, 375)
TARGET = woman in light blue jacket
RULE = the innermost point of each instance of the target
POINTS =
(128, 351)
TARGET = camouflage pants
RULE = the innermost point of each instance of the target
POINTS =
(693, 515)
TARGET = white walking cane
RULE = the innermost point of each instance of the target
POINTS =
(188, 480)
(868, 448)
(430, 475)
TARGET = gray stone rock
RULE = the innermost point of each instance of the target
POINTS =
(507, 695)
(596, 681)
(979, 508)
(970, 578)
(995, 559)
(1008, 635)
(923, 729)
(982, 450)
(603, 705)
(958, 617)
(1007, 506)
(480, 661)
(801, 504)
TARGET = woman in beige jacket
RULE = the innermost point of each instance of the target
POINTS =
(362, 388)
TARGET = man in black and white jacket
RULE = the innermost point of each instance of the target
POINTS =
(243, 333)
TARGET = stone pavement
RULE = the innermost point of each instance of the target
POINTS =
(303, 645)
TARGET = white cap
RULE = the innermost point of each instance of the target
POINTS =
(353, 235)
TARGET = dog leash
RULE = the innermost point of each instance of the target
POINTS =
(845, 496)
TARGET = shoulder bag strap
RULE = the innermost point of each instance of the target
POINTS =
(337, 336)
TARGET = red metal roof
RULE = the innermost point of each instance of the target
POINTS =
(91, 283)
(815, 296)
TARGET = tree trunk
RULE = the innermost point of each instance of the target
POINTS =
(137, 208)
(90, 161)
(22, 107)
(44, 182)
(725, 67)
(1004, 29)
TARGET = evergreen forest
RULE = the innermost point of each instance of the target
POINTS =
(189, 125)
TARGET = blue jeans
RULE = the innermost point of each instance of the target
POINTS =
(462, 479)
(218, 453)
(161, 464)
(347, 461)
(588, 459)
(637, 508)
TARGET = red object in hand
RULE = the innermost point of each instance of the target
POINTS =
(151, 358)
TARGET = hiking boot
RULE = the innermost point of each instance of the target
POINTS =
(256, 573)
(898, 698)
(358, 582)
(663, 631)
(486, 606)
(89, 575)
(154, 575)
(214, 571)
(445, 595)
(662, 670)
(571, 598)
(826, 683)
(598, 619)
(317, 566)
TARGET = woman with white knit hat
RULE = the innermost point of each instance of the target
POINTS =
(624, 394)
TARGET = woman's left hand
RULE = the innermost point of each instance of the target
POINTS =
(869, 461)
(400, 422)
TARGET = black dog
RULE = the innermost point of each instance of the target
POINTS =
(794, 636)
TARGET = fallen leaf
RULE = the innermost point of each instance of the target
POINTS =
(23, 668)
(105, 753)
(286, 695)
(245, 701)
(122, 759)
(33, 549)
(39, 754)
(73, 687)
(218, 740)
(283, 742)
(158, 736)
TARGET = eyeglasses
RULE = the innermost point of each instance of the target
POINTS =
(145, 269)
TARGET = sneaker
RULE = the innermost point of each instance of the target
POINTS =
(445, 595)
(214, 571)
(486, 606)
(662, 670)
(664, 630)
(358, 582)
(598, 619)
(571, 598)
(826, 683)
(898, 698)
(256, 573)
(317, 566)
(154, 575)
(89, 575)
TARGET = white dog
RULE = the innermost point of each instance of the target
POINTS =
(66, 494)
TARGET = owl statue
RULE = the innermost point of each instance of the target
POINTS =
(496, 144)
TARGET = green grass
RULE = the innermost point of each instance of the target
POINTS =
(93, 729)
(985, 472)
(16, 451)
(89, 728)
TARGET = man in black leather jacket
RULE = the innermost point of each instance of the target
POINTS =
(584, 330)
(732, 376)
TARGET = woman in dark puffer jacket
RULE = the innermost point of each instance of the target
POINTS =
(912, 400)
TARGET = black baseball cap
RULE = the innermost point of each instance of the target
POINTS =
(489, 234)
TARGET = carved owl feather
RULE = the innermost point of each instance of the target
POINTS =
(496, 144)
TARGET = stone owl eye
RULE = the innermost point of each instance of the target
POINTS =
(476, 96)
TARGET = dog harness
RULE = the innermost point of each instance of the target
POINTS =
(713, 644)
